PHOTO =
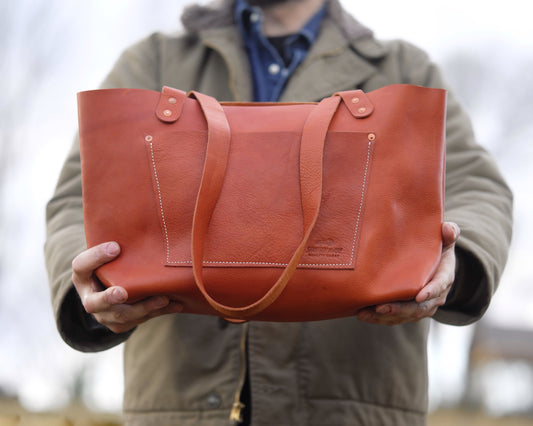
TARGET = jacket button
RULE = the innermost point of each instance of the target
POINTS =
(213, 401)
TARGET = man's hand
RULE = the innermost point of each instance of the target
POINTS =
(108, 305)
(430, 298)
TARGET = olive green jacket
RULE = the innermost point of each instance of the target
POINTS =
(185, 369)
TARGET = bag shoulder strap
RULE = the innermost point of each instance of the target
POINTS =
(311, 156)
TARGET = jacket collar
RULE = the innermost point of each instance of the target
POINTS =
(228, 43)
(333, 64)
(341, 58)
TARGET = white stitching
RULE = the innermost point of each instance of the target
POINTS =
(363, 189)
(160, 203)
(223, 262)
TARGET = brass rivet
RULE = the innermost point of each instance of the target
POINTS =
(371, 136)
(355, 100)
(172, 100)
(167, 113)
(148, 138)
(361, 110)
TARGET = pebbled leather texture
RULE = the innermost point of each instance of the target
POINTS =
(275, 212)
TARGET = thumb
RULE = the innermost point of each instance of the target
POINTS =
(450, 233)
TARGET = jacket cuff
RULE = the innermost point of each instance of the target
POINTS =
(80, 330)
(470, 294)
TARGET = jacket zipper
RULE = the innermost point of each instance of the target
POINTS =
(236, 415)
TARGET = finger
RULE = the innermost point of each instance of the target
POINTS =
(450, 233)
(398, 313)
(443, 278)
(387, 314)
(83, 267)
(87, 261)
(402, 311)
(141, 310)
(122, 318)
(371, 316)
(440, 284)
(96, 302)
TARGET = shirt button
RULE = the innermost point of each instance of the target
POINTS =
(213, 401)
(274, 69)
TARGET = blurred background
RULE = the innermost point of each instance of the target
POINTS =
(51, 49)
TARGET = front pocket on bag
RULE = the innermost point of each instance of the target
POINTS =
(258, 217)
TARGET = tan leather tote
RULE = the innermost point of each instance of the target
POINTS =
(266, 211)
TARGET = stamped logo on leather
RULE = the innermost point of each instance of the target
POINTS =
(258, 218)
(326, 248)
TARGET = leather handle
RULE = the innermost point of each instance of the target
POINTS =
(218, 144)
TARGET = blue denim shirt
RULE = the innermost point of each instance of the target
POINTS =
(270, 70)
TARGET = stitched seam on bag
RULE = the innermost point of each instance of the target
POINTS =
(167, 242)
(222, 262)
(361, 203)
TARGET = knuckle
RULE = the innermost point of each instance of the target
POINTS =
(96, 256)
(423, 311)
(76, 264)
(93, 257)
(120, 317)
(393, 309)
(427, 310)
(424, 307)
(89, 306)
(108, 296)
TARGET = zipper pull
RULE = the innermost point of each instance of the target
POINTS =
(236, 412)
(237, 415)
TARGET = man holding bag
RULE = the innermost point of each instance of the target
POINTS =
(187, 369)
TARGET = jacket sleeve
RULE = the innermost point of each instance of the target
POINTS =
(477, 199)
(65, 238)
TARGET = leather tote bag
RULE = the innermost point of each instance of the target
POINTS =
(266, 211)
